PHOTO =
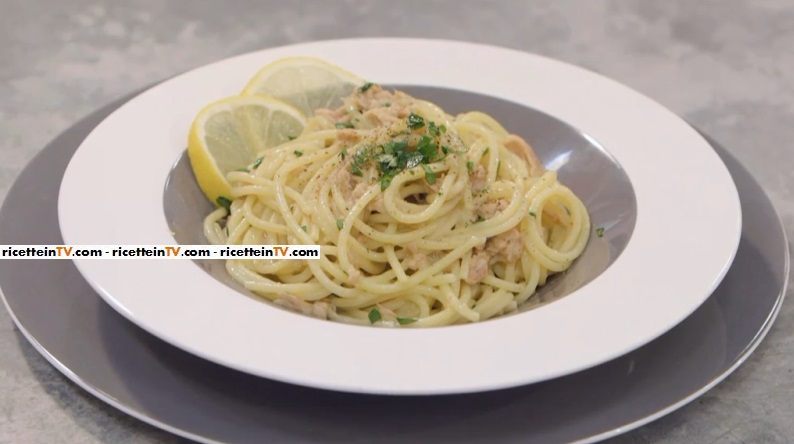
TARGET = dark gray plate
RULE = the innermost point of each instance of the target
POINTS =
(136, 372)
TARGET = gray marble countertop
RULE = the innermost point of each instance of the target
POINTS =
(727, 66)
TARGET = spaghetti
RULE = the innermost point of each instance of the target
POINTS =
(424, 219)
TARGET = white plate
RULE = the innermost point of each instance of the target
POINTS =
(686, 233)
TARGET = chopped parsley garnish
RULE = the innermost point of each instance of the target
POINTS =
(385, 181)
(600, 231)
(366, 86)
(342, 125)
(292, 137)
(487, 148)
(498, 167)
(363, 155)
(532, 213)
(257, 162)
(432, 129)
(405, 321)
(415, 121)
(360, 158)
(430, 175)
(374, 316)
(298, 153)
(470, 166)
(243, 170)
(387, 104)
(305, 228)
(443, 128)
(340, 223)
(395, 146)
(479, 218)
(395, 156)
(428, 147)
(224, 202)
(343, 153)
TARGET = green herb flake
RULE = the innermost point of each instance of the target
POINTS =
(432, 129)
(363, 156)
(343, 125)
(385, 181)
(498, 167)
(298, 153)
(387, 104)
(305, 228)
(479, 218)
(532, 213)
(470, 166)
(415, 121)
(600, 231)
(428, 148)
(366, 86)
(343, 153)
(355, 170)
(487, 148)
(405, 321)
(340, 223)
(374, 316)
(430, 175)
(387, 163)
(395, 146)
(292, 137)
(224, 202)
(443, 128)
(243, 170)
(257, 162)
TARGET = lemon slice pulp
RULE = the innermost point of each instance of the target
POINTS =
(304, 82)
(228, 135)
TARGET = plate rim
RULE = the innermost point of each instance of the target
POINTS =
(767, 325)
(361, 380)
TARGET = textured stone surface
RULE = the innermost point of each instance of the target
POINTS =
(728, 66)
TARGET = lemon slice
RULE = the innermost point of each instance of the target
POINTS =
(227, 135)
(304, 82)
